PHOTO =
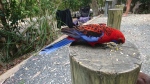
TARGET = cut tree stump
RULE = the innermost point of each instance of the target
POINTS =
(96, 65)
(114, 18)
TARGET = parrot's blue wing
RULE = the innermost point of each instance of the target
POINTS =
(55, 46)
(92, 38)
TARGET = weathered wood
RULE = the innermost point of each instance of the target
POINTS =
(107, 6)
(95, 65)
(119, 6)
(114, 18)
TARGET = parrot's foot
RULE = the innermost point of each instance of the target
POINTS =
(103, 46)
(114, 46)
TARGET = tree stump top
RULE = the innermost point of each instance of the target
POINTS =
(104, 60)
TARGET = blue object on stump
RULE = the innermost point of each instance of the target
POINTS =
(55, 46)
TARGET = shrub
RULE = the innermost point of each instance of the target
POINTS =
(27, 25)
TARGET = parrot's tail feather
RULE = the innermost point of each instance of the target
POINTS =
(55, 46)
(71, 32)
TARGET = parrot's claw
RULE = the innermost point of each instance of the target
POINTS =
(114, 46)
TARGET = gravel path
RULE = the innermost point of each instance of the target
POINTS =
(55, 68)
(136, 29)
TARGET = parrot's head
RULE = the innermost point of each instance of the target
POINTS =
(118, 37)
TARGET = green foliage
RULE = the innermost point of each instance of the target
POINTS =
(144, 1)
(144, 8)
(30, 26)
(101, 3)
(74, 4)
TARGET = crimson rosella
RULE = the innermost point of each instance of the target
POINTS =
(92, 34)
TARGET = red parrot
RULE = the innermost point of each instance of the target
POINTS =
(91, 33)
(94, 34)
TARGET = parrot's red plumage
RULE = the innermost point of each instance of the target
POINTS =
(95, 34)
(91, 33)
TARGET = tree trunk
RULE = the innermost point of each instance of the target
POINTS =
(2, 16)
(95, 7)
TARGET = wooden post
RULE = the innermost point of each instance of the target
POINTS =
(119, 6)
(114, 18)
(107, 6)
(114, 2)
(94, 65)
